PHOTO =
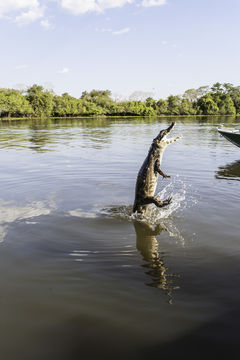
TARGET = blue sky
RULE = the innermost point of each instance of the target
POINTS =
(156, 46)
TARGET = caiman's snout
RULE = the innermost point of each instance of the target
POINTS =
(164, 133)
(170, 128)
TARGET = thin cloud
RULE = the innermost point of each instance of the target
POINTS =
(46, 24)
(149, 3)
(21, 11)
(30, 16)
(114, 32)
(7, 6)
(83, 6)
(122, 31)
(21, 67)
(105, 30)
(28, 11)
(168, 44)
(77, 7)
(64, 70)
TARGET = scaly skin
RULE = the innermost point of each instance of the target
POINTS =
(148, 174)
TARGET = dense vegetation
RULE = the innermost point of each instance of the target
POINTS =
(220, 99)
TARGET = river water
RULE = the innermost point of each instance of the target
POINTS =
(81, 277)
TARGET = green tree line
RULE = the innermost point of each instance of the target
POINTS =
(220, 99)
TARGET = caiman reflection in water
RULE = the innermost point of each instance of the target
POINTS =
(147, 244)
(229, 171)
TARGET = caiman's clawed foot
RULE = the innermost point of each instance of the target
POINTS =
(167, 201)
(156, 201)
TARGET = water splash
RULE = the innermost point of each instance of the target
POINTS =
(176, 189)
(172, 230)
(82, 214)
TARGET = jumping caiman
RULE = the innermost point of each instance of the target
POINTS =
(148, 174)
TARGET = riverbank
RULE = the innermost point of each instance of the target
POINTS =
(108, 117)
(39, 102)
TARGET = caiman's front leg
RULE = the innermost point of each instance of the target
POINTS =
(157, 169)
(154, 200)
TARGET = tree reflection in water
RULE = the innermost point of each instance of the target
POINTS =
(229, 171)
(147, 244)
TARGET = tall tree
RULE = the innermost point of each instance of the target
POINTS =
(162, 107)
(207, 106)
(226, 105)
(217, 87)
(186, 107)
(13, 103)
(191, 95)
(173, 104)
(41, 100)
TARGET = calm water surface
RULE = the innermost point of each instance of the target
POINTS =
(80, 277)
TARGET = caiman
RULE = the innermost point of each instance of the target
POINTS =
(148, 174)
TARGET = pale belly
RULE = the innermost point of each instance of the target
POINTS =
(151, 185)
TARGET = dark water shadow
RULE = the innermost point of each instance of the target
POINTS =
(147, 245)
(229, 171)
(217, 339)
(88, 338)
(91, 337)
(94, 338)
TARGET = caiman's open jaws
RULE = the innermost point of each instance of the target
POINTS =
(161, 139)
(148, 174)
